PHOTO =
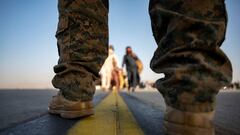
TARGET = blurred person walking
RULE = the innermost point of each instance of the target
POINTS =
(107, 69)
(133, 76)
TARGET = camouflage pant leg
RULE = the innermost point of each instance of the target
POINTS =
(189, 35)
(82, 39)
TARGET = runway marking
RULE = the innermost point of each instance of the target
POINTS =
(112, 117)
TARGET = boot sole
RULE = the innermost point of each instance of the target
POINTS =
(72, 114)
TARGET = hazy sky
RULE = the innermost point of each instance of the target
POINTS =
(28, 48)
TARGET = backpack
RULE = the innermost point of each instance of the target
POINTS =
(139, 65)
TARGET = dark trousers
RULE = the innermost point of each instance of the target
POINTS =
(132, 77)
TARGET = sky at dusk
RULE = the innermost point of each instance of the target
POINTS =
(28, 49)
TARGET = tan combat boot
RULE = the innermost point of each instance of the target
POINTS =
(177, 122)
(70, 109)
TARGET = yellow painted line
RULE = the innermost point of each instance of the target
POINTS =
(112, 117)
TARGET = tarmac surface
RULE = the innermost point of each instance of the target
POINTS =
(148, 106)
(24, 112)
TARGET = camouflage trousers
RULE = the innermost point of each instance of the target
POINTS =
(82, 40)
(188, 34)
